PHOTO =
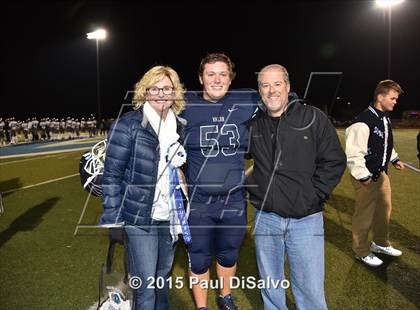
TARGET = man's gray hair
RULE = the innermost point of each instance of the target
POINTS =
(275, 66)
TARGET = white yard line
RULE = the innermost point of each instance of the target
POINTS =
(410, 166)
(28, 159)
(42, 183)
(47, 152)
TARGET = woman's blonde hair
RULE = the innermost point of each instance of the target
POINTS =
(150, 78)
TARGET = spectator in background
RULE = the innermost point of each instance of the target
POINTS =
(369, 148)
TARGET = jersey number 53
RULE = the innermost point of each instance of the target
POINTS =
(210, 136)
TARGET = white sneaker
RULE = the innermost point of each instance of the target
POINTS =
(389, 250)
(371, 260)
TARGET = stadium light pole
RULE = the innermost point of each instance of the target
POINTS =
(97, 35)
(388, 4)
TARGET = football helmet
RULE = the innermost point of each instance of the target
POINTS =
(91, 168)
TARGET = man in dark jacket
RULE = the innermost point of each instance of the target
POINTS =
(298, 161)
(418, 147)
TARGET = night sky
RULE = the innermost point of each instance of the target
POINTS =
(51, 66)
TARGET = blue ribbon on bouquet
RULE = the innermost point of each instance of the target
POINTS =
(176, 196)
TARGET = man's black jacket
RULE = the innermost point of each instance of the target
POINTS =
(297, 164)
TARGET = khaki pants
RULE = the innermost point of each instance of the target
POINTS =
(372, 211)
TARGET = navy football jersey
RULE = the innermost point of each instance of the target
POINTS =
(216, 141)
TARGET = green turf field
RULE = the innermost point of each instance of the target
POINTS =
(43, 266)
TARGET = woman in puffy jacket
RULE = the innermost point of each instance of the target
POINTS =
(140, 183)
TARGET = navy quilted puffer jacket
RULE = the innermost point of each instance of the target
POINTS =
(131, 167)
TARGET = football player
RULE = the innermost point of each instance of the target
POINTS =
(216, 141)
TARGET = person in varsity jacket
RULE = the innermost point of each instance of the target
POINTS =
(369, 148)
(216, 142)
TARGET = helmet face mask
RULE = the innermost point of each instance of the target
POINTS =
(91, 168)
